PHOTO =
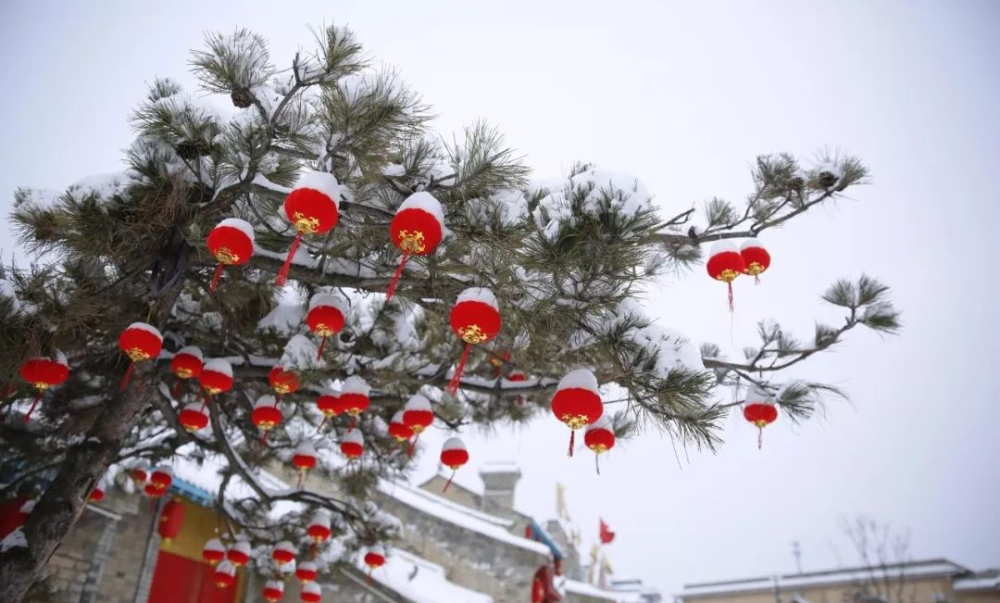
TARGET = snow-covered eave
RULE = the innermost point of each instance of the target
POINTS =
(973, 583)
(589, 590)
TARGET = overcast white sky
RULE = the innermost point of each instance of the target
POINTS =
(683, 95)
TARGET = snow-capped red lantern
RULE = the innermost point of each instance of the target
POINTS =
(304, 459)
(306, 571)
(354, 397)
(353, 444)
(328, 403)
(213, 551)
(96, 495)
(577, 402)
(43, 373)
(266, 415)
(193, 417)
(453, 455)
(284, 552)
(725, 264)
(313, 208)
(418, 414)
(171, 520)
(186, 364)
(141, 342)
(225, 574)
(517, 377)
(161, 478)
(475, 318)
(311, 593)
(282, 381)
(216, 377)
(374, 558)
(231, 244)
(273, 591)
(325, 318)
(399, 430)
(319, 527)
(416, 229)
(139, 473)
(239, 554)
(759, 408)
(600, 438)
(756, 259)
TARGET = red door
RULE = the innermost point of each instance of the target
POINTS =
(178, 579)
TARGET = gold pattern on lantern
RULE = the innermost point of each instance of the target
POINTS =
(411, 242)
(599, 448)
(40, 385)
(281, 388)
(760, 424)
(727, 276)
(472, 334)
(304, 224)
(136, 355)
(575, 421)
(226, 256)
(211, 391)
(267, 425)
(324, 331)
(754, 268)
(185, 373)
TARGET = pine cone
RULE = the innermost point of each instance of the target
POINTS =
(826, 179)
(187, 151)
(242, 98)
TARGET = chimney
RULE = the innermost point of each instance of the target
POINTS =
(499, 481)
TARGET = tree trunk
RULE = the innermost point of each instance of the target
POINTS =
(64, 500)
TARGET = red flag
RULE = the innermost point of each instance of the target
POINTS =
(606, 534)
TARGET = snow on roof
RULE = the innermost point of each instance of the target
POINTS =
(580, 379)
(425, 201)
(588, 590)
(422, 581)
(985, 580)
(499, 467)
(932, 567)
(323, 182)
(481, 523)
(479, 294)
(240, 225)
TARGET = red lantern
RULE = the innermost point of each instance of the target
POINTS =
(139, 473)
(266, 415)
(231, 243)
(325, 318)
(416, 230)
(304, 459)
(517, 377)
(193, 417)
(96, 495)
(374, 559)
(306, 571)
(283, 382)
(399, 430)
(154, 491)
(600, 438)
(354, 397)
(171, 520)
(756, 259)
(353, 445)
(577, 402)
(273, 591)
(475, 318)
(216, 377)
(319, 527)
(311, 593)
(759, 408)
(162, 477)
(141, 342)
(328, 403)
(453, 456)
(214, 551)
(284, 552)
(312, 208)
(225, 574)
(186, 364)
(239, 554)
(724, 264)
(43, 373)
(417, 414)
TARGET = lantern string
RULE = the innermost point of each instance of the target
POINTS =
(298, 486)
(34, 403)
(760, 438)
(216, 277)
(322, 423)
(756, 279)
(322, 345)
(411, 446)
(730, 297)
(177, 389)
(354, 421)
(395, 278)
(448, 483)
(597, 463)
(456, 379)
(572, 440)
(128, 376)
(283, 273)
(204, 403)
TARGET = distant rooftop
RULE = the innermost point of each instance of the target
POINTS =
(930, 567)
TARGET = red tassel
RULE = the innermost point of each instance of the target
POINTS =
(354, 421)
(322, 423)
(283, 273)
(298, 486)
(177, 389)
(456, 380)
(263, 438)
(34, 403)
(370, 570)
(215, 279)
(730, 296)
(411, 445)
(395, 278)
(128, 376)
(322, 344)
(448, 483)
(204, 403)
(572, 441)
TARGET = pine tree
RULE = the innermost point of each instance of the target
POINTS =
(566, 262)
